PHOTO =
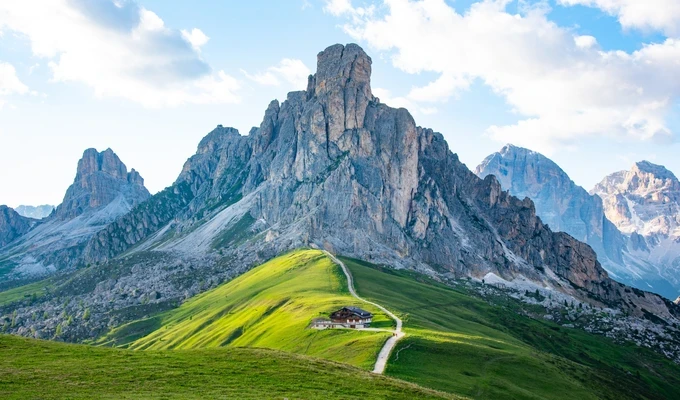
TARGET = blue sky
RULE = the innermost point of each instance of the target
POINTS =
(593, 84)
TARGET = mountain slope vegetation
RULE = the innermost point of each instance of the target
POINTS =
(455, 342)
(271, 307)
(461, 344)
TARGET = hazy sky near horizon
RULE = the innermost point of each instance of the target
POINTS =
(593, 84)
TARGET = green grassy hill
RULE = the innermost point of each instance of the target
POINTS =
(455, 343)
(271, 307)
(460, 344)
(33, 369)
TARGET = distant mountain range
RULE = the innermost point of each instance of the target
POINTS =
(330, 167)
(630, 219)
(35, 212)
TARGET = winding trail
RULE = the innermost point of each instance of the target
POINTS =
(384, 354)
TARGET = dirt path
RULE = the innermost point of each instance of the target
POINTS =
(397, 334)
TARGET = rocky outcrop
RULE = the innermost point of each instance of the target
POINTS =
(35, 212)
(12, 225)
(335, 168)
(100, 179)
(644, 203)
(102, 191)
(645, 200)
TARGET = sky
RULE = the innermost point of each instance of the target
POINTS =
(592, 84)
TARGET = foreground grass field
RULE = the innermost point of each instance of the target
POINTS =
(271, 307)
(459, 344)
(32, 369)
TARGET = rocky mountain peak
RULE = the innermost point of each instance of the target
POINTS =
(523, 172)
(340, 67)
(106, 162)
(643, 179)
(101, 177)
(644, 199)
(216, 138)
(562, 204)
(342, 84)
(12, 225)
(333, 167)
(659, 171)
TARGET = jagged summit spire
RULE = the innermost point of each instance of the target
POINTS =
(341, 66)
(100, 178)
(342, 86)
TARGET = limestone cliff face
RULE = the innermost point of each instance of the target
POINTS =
(333, 167)
(12, 225)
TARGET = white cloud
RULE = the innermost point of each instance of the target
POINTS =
(196, 37)
(344, 7)
(119, 49)
(585, 42)
(10, 83)
(386, 97)
(292, 71)
(564, 87)
(338, 7)
(662, 15)
(33, 68)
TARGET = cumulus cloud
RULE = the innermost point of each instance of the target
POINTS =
(562, 86)
(196, 37)
(119, 49)
(661, 15)
(345, 7)
(386, 97)
(293, 72)
(9, 82)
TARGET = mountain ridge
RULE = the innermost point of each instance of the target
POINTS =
(102, 190)
(35, 212)
(334, 167)
(330, 167)
(567, 207)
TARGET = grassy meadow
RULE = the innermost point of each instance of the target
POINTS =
(270, 307)
(460, 344)
(250, 338)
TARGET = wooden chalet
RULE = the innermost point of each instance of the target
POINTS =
(346, 317)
